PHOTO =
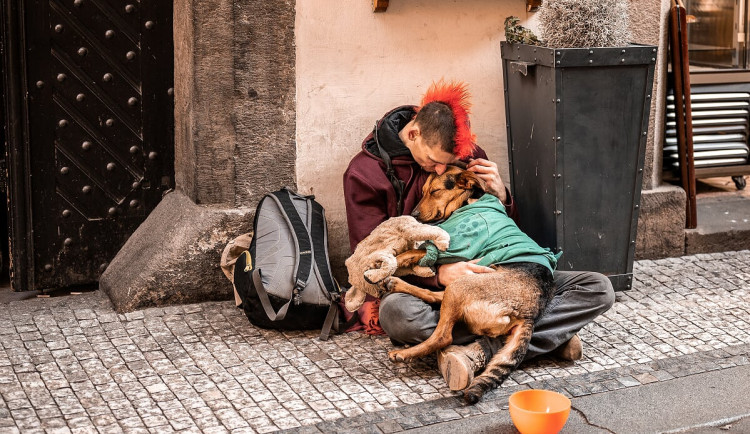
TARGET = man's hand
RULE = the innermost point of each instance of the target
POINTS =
(487, 171)
(447, 273)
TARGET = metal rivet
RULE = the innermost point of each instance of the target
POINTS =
(132, 101)
(66, 213)
(59, 28)
(61, 77)
(110, 166)
(133, 149)
(64, 170)
(637, 206)
(130, 55)
(152, 155)
(640, 170)
(82, 51)
(47, 267)
(644, 133)
(109, 34)
(558, 53)
(558, 62)
(591, 51)
(107, 77)
(149, 25)
(86, 145)
(558, 137)
(68, 241)
(136, 185)
(622, 60)
(558, 100)
(62, 123)
(653, 50)
(77, 3)
(80, 97)
(109, 122)
(170, 91)
(129, 8)
(623, 51)
(103, 267)
(653, 59)
(591, 61)
(558, 212)
(40, 84)
(632, 242)
(648, 96)
(133, 203)
(112, 211)
(86, 189)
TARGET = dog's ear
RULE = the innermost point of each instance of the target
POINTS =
(468, 180)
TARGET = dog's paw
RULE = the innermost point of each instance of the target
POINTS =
(442, 241)
(391, 283)
(354, 299)
(397, 356)
(423, 271)
(375, 276)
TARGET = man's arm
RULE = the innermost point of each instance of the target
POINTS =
(365, 207)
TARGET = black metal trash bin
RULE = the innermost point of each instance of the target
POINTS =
(577, 124)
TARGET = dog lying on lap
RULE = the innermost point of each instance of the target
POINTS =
(504, 303)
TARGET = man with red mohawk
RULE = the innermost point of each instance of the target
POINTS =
(385, 180)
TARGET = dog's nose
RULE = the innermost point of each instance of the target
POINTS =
(415, 213)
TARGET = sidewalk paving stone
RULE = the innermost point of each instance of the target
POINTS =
(72, 364)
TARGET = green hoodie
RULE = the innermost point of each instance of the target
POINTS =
(484, 230)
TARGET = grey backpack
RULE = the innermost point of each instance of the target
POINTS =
(284, 280)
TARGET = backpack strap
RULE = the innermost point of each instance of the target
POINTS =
(304, 263)
(319, 235)
(265, 301)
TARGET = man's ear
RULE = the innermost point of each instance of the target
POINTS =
(414, 131)
(469, 180)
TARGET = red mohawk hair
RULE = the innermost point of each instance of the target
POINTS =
(456, 96)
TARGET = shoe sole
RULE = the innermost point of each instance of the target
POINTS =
(456, 372)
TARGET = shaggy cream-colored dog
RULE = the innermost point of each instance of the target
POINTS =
(374, 259)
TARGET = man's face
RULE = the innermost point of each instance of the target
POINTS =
(430, 156)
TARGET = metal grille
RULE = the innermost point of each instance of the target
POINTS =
(720, 129)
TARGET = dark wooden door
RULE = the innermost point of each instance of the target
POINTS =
(91, 133)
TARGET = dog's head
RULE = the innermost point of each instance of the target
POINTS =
(444, 194)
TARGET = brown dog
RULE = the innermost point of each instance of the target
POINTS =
(504, 303)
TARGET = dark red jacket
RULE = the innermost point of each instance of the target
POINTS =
(369, 196)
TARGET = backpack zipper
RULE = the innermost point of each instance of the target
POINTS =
(248, 261)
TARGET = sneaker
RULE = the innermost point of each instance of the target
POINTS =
(458, 363)
(571, 350)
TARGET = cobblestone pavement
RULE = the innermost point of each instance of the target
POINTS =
(71, 364)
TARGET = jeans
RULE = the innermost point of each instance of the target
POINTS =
(579, 298)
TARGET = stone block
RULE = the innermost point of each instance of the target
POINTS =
(173, 257)
(723, 225)
(661, 223)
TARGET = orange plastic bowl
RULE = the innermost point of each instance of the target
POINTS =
(536, 411)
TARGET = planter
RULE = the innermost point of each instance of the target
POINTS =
(577, 128)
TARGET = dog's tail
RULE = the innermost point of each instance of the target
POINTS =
(502, 363)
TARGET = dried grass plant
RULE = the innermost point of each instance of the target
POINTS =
(584, 23)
